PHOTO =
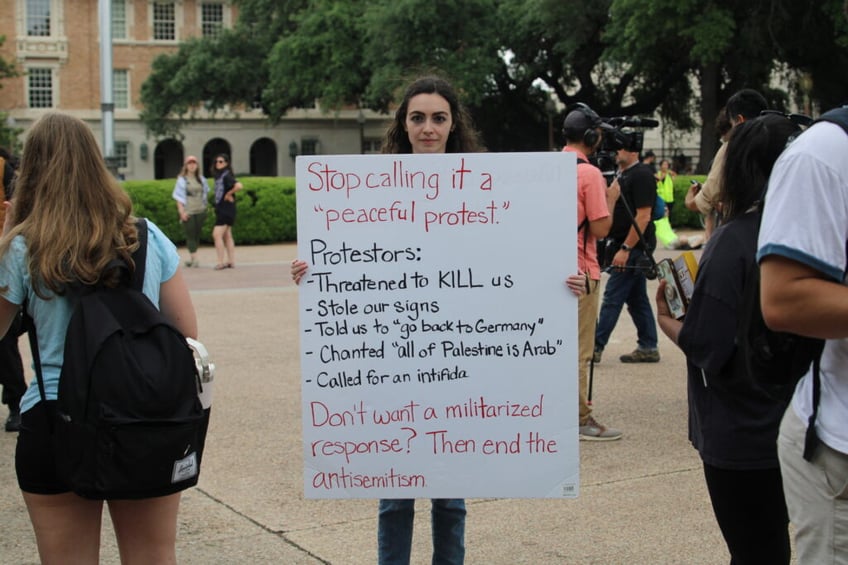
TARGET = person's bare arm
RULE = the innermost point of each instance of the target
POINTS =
(689, 201)
(643, 216)
(601, 227)
(175, 303)
(797, 298)
(230, 195)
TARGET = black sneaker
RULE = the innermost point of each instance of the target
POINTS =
(596, 355)
(13, 422)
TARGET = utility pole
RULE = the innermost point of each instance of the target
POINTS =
(107, 105)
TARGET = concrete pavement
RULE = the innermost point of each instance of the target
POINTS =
(642, 499)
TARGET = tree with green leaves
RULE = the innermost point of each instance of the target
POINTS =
(8, 133)
(728, 45)
(680, 58)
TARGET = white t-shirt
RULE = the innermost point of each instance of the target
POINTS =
(806, 220)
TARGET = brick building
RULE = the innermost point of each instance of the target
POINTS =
(55, 44)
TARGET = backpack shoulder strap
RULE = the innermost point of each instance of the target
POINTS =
(140, 255)
(584, 225)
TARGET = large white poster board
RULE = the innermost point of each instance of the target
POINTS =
(438, 339)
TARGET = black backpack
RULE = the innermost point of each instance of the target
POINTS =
(128, 421)
(773, 361)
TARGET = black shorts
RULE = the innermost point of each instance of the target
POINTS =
(34, 461)
(225, 213)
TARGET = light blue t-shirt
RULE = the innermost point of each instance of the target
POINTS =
(52, 316)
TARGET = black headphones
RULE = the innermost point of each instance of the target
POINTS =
(590, 134)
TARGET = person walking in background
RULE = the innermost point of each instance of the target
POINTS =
(582, 129)
(665, 185)
(11, 366)
(192, 195)
(803, 291)
(627, 283)
(66, 223)
(733, 422)
(226, 187)
(745, 104)
(429, 119)
(650, 159)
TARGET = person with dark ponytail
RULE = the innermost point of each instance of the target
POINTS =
(733, 423)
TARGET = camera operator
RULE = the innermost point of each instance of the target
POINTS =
(583, 131)
(630, 265)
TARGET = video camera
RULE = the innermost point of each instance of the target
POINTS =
(615, 137)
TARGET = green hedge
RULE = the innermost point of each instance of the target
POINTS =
(680, 216)
(265, 209)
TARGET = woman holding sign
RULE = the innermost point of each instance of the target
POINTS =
(430, 119)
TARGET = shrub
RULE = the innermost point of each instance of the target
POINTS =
(265, 209)
(680, 215)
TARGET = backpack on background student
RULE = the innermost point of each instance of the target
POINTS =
(129, 422)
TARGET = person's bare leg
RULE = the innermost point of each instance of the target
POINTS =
(218, 233)
(67, 527)
(146, 529)
(231, 247)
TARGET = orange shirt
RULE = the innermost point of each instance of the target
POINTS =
(591, 205)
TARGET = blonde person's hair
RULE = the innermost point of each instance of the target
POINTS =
(184, 171)
(71, 211)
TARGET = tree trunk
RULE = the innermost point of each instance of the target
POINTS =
(710, 94)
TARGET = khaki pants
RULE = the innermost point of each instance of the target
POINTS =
(816, 495)
(587, 315)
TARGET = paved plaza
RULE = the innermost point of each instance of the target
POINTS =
(642, 499)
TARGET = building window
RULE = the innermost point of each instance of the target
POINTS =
(119, 19)
(38, 18)
(164, 21)
(122, 150)
(371, 145)
(309, 147)
(211, 18)
(40, 82)
(121, 89)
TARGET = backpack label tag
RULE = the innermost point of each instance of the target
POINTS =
(185, 468)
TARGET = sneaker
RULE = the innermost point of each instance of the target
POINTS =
(13, 422)
(596, 356)
(593, 431)
(641, 356)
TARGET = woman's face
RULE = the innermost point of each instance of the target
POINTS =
(428, 123)
(220, 163)
(191, 166)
